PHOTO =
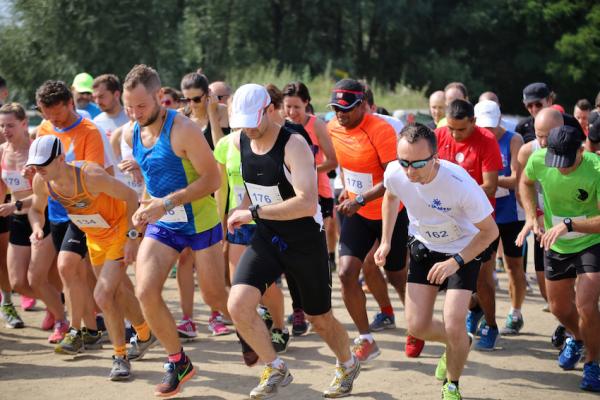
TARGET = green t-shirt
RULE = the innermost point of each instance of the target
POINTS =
(227, 154)
(574, 195)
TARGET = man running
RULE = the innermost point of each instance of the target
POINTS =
(279, 173)
(107, 94)
(450, 225)
(180, 174)
(102, 207)
(571, 238)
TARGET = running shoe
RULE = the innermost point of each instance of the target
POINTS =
(364, 350)
(546, 308)
(173, 272)
(488, 338)
(341, 385)
(513, 325)
(100, 323)
(129, 333)
(591, 377)
(570, 354)
(91, 340)
(27, 303)
(139, 348)
(382, 321)
(332, 265)
(121, 369)
(176, 374)
(71, 344)
(450, 392)
(299, 323)
(441, 369)
(559, 336)
(414, 346)
(217, 327)
(473, 318)
(11, 317)
(271, 379)
(48, 321)
(500, 265)
(266, 316)
(60, 330)
(280, 339)
(187, 329)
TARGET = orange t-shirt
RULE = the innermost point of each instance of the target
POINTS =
(362, 153)
(322, 178)
(81, 142)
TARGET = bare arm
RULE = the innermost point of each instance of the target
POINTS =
(115, 142)
(221, 193)
(215, 116)
(511, 182)
(389, 214)
(326, 145)
(38, 205)
(488, 232)
(490, 183)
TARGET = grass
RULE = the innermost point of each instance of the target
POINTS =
(320, 87)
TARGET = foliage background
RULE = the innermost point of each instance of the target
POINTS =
(398, 45)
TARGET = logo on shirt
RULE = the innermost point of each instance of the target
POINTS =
(582, 195)
(459, 157)
(436, 204)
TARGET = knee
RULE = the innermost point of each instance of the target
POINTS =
(147, 295)
(212, 293)
(321, 323)
(348, 276)
(418, 327)
(69, 271)
(397, 279)
(19, 284)
(587, 309)
(36, 280)
(240, 310)
(455, 329)
(104, 298)
(559, 309)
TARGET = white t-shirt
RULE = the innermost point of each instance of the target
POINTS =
(443, 212)
(110, 124)
(394, 122)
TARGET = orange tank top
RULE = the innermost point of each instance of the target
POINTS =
(98, 216)
(322, 178)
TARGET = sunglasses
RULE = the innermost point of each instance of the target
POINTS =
(535, 104)
(222, 96)
(345, 110)
(418, 164)
(166, 103)
(195, 99)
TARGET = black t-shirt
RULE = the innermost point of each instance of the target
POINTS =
(526, 128)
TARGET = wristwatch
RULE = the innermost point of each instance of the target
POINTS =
(168, 204)
(19, 205)
(459, 260)
(254, 211)
(133, 234)
(569, 223)
(360, 200)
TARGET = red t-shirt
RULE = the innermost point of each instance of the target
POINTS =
(477, 154)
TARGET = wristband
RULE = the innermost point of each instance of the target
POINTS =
(459, 260)
(254, 211)
(18, 205)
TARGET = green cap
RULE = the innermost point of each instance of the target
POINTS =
(83, 83)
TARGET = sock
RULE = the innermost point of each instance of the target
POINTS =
(388, 310)
(75, 330)
(177, 357)
(277, 363)
(332, 256)
(92, 332)
(476, 308)
(127, 324)
(214, 314)
(6, 298)
(186, 317)
(62, 298)
(143, 331)
(516, 312)
(367, 336)
(120, 351)
(348, 364)
(455, 383)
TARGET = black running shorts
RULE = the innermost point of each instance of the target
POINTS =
(465, 278)
(20, 230)
(568, 266)
(68, 237)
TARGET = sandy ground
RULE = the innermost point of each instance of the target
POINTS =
(523, 367)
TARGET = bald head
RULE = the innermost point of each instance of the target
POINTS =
(437, 105)
(489, 96)
(221, 90)
(547, 119)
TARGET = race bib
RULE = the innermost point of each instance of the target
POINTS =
(569, 235)
(137, 186)
(440, 233)
(357, 182)
(502, 192)
(15, 181)
(263, 195)
(239, 192)
(86, 221)
(177, 214)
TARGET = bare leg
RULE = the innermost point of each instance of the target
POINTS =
(211, 277)
(185, 282)
(587, 295)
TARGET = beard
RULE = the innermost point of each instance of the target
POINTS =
(153, 117)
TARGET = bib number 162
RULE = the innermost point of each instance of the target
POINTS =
(436, 234)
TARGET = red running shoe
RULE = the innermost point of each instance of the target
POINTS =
(414, 346)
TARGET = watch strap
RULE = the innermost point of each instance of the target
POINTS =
(459, 260)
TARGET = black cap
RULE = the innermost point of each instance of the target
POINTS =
(563, 144)
(594, 131)
(346, 94)
(535, 92)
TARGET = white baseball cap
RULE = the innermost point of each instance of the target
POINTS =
(44, 150)
(487, 114)
(248, 105)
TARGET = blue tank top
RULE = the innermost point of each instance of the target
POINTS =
(164, 173)
(507, 209)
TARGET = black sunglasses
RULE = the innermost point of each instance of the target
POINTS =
(345, 110)
(195, 99)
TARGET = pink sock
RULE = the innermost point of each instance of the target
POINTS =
(175, 358)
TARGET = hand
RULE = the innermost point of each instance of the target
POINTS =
(137, 176)
(36, 237)
(442, 270)
(149, 211)
(212, 104)
(28, 172)
(131, 249)
(7, 209)
(381, 254)
(550, 236)
(237, 219)
(128, 166)
(530, 225)
(348, 207)
(343, 196)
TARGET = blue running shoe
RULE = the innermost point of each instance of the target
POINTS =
(473, 318)
(570, 354)
(488, 338)
(382, 321)
(591, 377)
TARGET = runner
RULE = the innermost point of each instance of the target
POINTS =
(477, 151)
(170, 98)
(437, 108)
(453, 91)
(102, 207)
(107, 94)
(364, 144)
(571, 240)
(450, 225)
(509, 215)
(288, 239)
(222, 91)
(13, 154)
(82, 87)
(180, 175)
(581, 113)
